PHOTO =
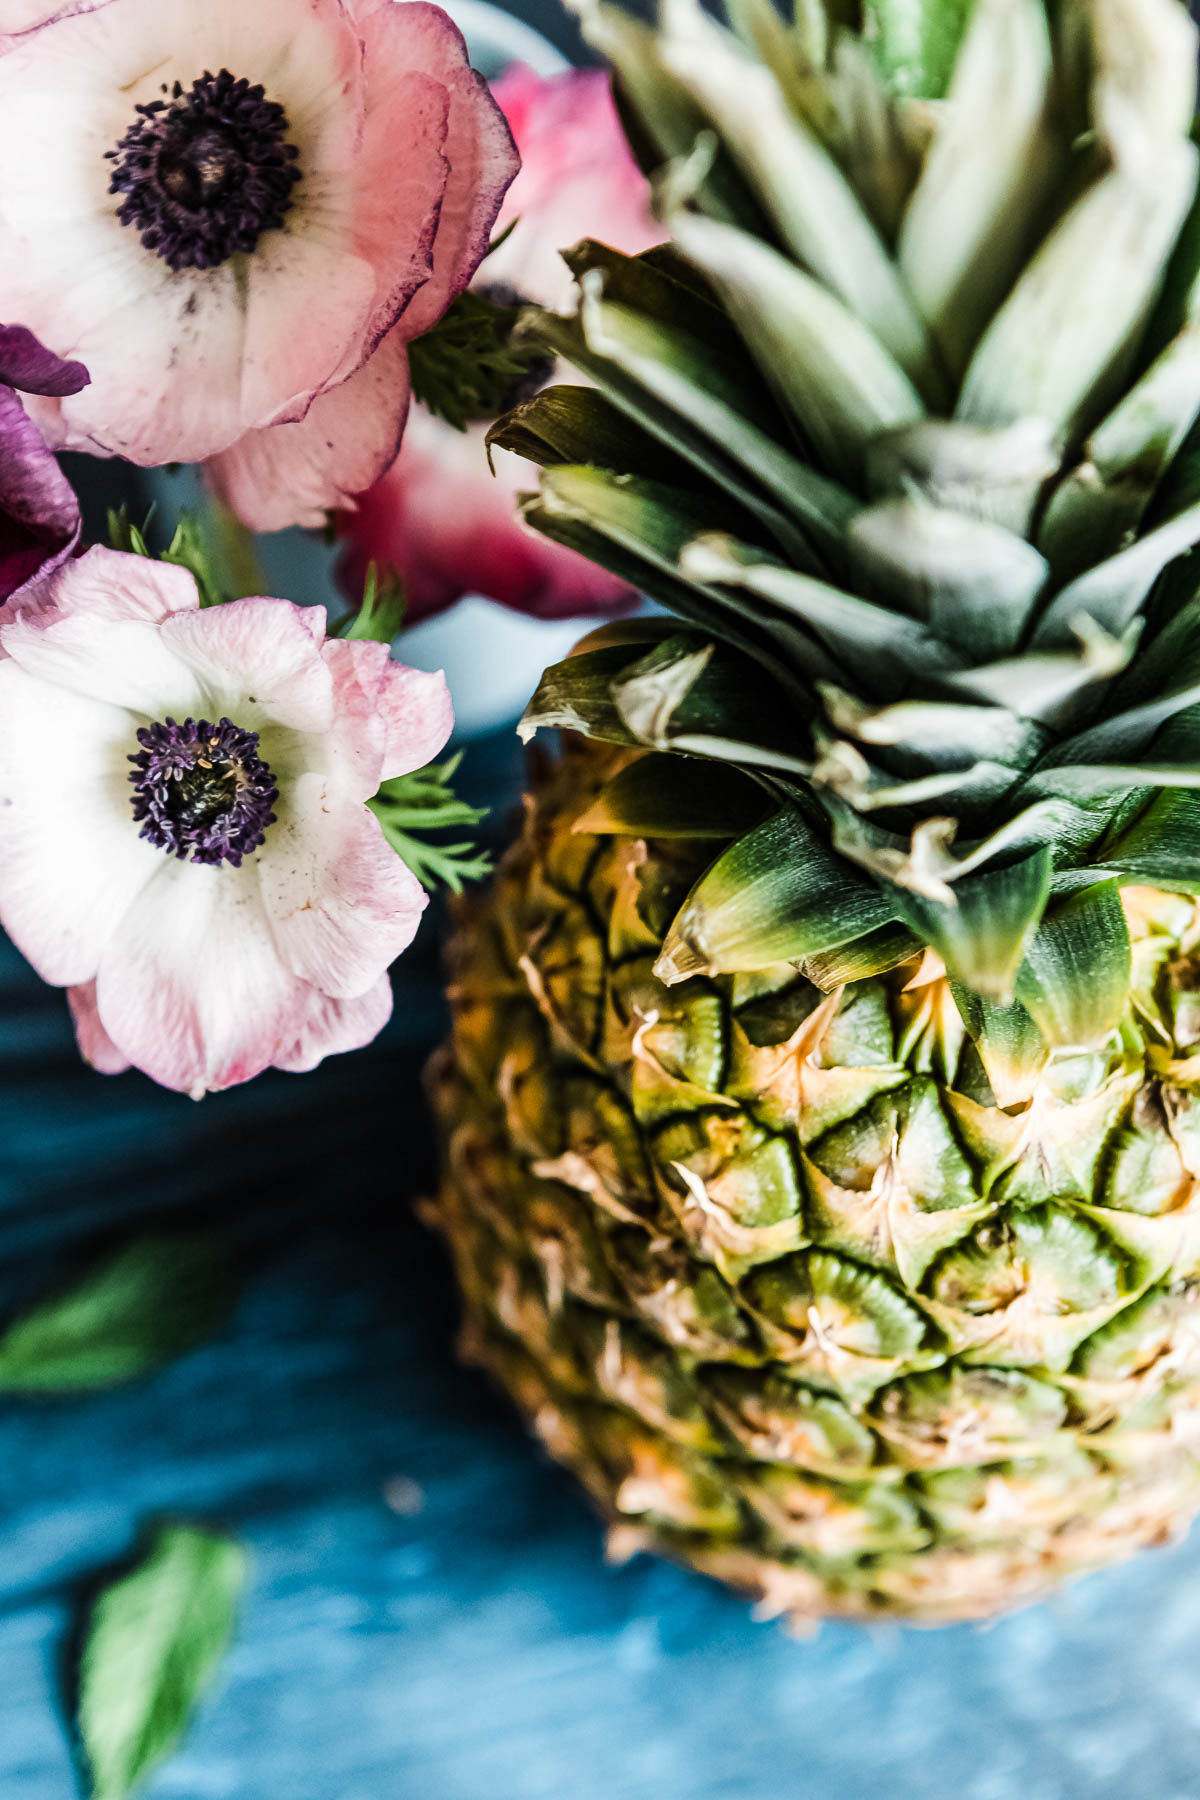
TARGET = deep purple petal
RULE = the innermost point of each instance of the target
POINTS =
(25, 363)
(39, 514)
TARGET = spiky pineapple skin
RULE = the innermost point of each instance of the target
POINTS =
(773, 1273)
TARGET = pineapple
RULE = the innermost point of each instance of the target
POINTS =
(822, 1112)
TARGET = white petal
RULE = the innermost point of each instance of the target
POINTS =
(342, 905)
(123, 661)
(191, 987)
(95, 1045)
(71, 860)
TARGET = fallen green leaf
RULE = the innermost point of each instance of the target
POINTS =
(149, 1302)
(153, 1643)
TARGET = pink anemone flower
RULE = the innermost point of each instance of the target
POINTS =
(238, 215)
(439, 519)
(39, 514)
(185, 842)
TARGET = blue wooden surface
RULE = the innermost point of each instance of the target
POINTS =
(479, 1650)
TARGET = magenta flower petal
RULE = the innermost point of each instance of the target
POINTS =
(39, 514)
(28, 365)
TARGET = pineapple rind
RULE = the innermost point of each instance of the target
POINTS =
(772, 1271)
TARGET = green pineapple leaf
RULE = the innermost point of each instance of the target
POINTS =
(1074, 982)
(154, 1641)
(149, 1302)
(981, 930)
(675, 796)
(915, 42)
(777, 895)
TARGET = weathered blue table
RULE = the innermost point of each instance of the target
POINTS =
(476, 1649)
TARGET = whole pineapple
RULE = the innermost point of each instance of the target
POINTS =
(823, 1107)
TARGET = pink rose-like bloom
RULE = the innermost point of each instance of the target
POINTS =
(39, 514)
(185, 842)
(439, 519)
(238, 216)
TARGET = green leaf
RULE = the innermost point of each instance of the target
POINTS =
(830, 371)
(153, 1644)
(972, 582)
(576, 695)
(468, 366)
(149, 1302)
(811, 205)
(779, 894)
(881, 647)
(915, 42)
(707, 391)
(411, 806)
(1066, 331)
(562, 425)
(1111, 593)
(666, 796)
(982, 934)
(380, 615)
(191, 549)
(1162, 845)
(986, 178)
(1074, 982)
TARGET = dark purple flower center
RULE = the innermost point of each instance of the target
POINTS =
(205, 172)
(201, 791)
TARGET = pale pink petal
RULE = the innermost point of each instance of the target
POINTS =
(479, 146)
(419, 715)
(71, 860)
(257, 661)
(446, 526)
(398, 200)
(336, 1025)
(109, 584)
(308, 320)
(341, 903)
(190, 987)
(95, 1045)
(296, 474)
(353, 750)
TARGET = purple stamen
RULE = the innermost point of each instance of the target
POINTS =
(201, 791)
(205, 172)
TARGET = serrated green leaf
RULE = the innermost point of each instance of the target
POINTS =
(972, 582)
(982, 935)
(779, 894)
(1070, 324)
(1011, 1048)
(149, 1302)
(153, 1644)
(1074, 982)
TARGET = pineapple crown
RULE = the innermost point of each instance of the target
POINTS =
(903, 429)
